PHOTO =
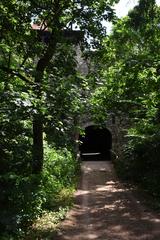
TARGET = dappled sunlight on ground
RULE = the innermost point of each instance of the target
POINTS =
(106, 210)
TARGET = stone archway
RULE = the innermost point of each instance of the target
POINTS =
(96, 144)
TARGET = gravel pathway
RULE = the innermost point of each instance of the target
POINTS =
(106, 210)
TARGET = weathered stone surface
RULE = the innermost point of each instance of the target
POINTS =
(117, 127)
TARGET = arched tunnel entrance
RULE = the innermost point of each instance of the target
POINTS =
(96, 144)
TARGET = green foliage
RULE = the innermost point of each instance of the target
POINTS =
(140, 160)
(24, 198)
(45, 227)
(130, 81)
(129, 64)
(20, 201)
(41, 89)
(35, 59)
(64, 99)
(59, 177)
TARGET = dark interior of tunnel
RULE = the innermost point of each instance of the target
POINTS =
(95, 144)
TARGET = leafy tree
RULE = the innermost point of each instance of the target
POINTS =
(25, 58)
(42, 90)
(129, 72)
(129, 66)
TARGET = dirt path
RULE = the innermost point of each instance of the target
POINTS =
(106, 210)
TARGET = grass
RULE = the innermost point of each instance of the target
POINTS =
(46, 226)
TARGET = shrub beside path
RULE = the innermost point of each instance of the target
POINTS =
(106, 210)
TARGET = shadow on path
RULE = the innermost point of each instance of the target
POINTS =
(105, 210)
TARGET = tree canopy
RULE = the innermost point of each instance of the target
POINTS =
(28, 61)
(130, 77)
(41, 98)
(43, 93)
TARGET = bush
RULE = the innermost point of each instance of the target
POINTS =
(20, 201)
(59, 176)
(141, 163)
(24, 197)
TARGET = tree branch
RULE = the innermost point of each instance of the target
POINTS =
(13, 72)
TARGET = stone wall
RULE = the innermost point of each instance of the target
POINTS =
(117, 125)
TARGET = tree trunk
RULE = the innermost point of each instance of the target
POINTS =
(37, 164)
(37, 157)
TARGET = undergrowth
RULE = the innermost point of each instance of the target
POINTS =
(140, 163)
(26, 198)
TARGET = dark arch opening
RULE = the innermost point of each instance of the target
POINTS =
(96, 144)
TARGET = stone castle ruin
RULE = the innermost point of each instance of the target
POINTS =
(97, 142)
